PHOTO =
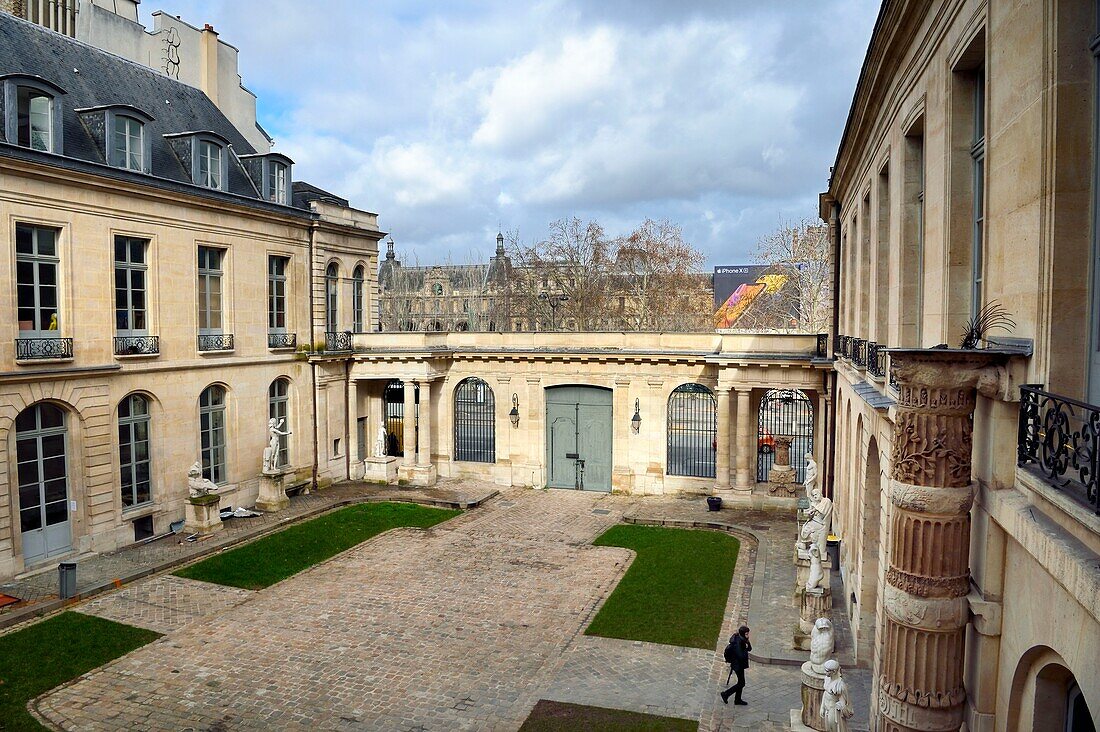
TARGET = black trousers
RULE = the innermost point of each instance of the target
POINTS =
(737, 688)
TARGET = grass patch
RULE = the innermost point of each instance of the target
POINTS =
(550, 716)
(676, 589)
(47, 654)
(277, 556)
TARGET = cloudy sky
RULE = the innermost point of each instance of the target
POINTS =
(454, 117)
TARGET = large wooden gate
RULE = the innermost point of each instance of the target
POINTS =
(578, 437)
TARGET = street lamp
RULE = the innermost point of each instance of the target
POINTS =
(514, 414)
(636, 420)
(554, 301)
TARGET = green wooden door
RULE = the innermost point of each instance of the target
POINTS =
(578, 437)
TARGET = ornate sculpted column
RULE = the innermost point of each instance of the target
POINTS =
(746, 440)
(722, 458)
(920, 673)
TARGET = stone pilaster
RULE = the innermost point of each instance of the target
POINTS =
(722, 443)
(746, 441)
(920, 674)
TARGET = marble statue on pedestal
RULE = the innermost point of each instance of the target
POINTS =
(380, 441)
(198, 485)
(810, 483)
(836, 707)
(822, 644)
(817, 571)
(816, 529)
(271, 452)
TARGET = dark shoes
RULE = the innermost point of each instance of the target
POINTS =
(740, 702)
(725, 697)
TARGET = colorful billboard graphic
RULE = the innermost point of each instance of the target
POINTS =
(737, 288)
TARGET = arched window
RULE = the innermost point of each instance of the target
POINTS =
(277, 409)
(475, 422)
(133, 450)
(332, 281)
(357, 299)
(784, 412)
(692, 431)
(212, 437)
(40, 436)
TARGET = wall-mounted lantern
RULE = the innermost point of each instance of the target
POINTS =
(514, 414)
(636, 420)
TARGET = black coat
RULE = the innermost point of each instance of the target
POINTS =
(741, 648)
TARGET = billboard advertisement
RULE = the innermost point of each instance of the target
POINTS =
(735, 289)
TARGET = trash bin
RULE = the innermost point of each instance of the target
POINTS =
(714, 503)
(66, 580)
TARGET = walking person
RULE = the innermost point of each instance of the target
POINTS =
(737, 655)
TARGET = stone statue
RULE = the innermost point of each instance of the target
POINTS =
(816, 528)
(811, 476)
(817, 572)
(380, 441)
(836, 707)
(198, 485)
(821, 644)
(271, 452)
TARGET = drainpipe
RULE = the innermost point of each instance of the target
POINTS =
(312, 365)
(834, 223)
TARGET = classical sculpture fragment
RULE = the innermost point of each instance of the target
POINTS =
(817, 571)
(816, 528)
(380, 441)
(810, 483)
(271, 452)
(836, 707)
(821, 644)
(198, 485)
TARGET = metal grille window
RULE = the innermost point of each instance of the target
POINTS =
(784, 412)
(276, 294)
(977, 155)
(35, 119)
(210, 291)
(357, 299)
(133, 450)
(475, 422)
(210, 164)
(212, 438)
(332, 283)
(130, 286)
(36, 265)
(277, 409)
(393, 399)
(692, 431)
(129, 144)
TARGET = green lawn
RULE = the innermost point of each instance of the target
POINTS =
(273, 558)
(47, 654)
(550, 716)
(676, 589)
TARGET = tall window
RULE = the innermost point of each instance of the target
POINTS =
(210, 290)
(40, 437)
(357, 299)
(276, 294)
(133, 450)
(279, 182)
(212, 433)
(129, 143)
(475, 422)
(210, 164)
(692, 431)
(35, 119)
(130, 286)
(277, 400)
(36, 264)
(332, 282)
(977, 156)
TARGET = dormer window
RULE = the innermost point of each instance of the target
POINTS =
(210, 165)
(120, 132)
(270, 173)
(279, 178)
(129, 147)
(32, 112)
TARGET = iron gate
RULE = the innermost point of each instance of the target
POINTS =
(393, 399)
(475, 422)
(784, 412)
(692, 431)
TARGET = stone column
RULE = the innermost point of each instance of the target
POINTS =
(424, 453)
(746, 440)
(920, 674)
(722, 458)
(408, 427)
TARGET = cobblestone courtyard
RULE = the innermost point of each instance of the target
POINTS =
(462, 626)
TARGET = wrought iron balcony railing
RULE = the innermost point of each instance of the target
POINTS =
(282, 340)
(146, 345)
(859, 352)
(822, 350)
(33, 349)
(216, 342)
(1059, 439)
(338, 342)
(846, 346)
(836, 344)
(876, 359)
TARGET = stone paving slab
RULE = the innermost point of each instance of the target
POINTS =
(165, 603)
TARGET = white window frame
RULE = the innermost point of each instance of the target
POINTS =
(277, 292)
(131, 269)
(214, 460)
(278, 408)
(357, 278)
(38, 262)
(209, 275)
(210, 168)
(128, 427)
(131, 153)
(280, 180)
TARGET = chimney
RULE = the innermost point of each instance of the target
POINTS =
(208, 79)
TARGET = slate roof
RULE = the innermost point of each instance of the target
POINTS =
(92, 77)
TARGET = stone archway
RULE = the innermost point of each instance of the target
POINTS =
(863, 625)
(1045, 695)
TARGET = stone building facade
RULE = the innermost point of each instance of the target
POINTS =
(162, 276)
(966, 502)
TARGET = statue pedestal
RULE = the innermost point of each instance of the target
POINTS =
(813, 688)
(202, 515)
(812, 604)
(380, 469)
(419, 475)
(272, 496)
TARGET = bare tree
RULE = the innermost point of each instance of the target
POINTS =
(658, 279)
(798, 285)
